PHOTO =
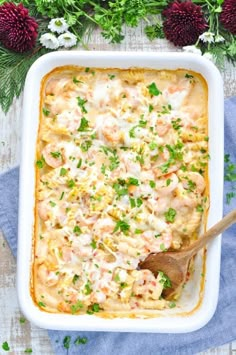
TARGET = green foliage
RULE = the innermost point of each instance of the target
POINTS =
(13, 70)
(154, 31)
(110, 16)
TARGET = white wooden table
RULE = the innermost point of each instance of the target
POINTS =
(25, 335)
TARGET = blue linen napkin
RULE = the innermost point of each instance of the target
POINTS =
(220, 330)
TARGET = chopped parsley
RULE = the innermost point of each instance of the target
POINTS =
(199, 208)
(230, 169)
(79, 163)
(191, 185)
(5, 346)
(56, 155)
(93, 244)
(63, 172)
(132, 181)
(176, 124)
(81, 103)
(123, 285)
(153, 90)
(111, 76)
(162, 247)
(103, 169)
(172, 304)
(150, 108)
(86, 145)
(76, 307)
(66, 342)
(132, 132)
(230, 196)
(166, 109)
(28, 351)
(120, 187)
(164, 280)
(22, 320)
(189, 76)
(75, 81)
(132, 202)
(95, 307)
(152, 184)
(122, 226)
(77, 230)
(46, 112)
(41, 304)
(62, 195)
(114, 162)
(71, 183)
(40, 163)
(170, 215)
(138, 231)
(152, 145)
(81, 340)
(53, 204)
(75, 278)
(83, 125)
(113, 158)
(142, 123)
(117, 278)
(88, 288)
(139, 202)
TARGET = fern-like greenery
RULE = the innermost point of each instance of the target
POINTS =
(13, 70)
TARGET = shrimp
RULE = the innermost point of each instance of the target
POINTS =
(112, 134)
(70, 120)
(156, 242)
(131, 166)
(104, 225)
(166, 184)
(183, 202)
(193, 181)
(47, 277)
(53, 155)
(162, 127)
(43, 210)
(133, 96)
(159, 205)
(56, 86)
(163, 165)
(176, 94)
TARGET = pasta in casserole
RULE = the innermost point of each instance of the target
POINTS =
(121, 171)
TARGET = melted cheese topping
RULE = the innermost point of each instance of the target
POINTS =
(121, 172)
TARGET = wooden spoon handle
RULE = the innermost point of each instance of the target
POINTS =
(213, 232)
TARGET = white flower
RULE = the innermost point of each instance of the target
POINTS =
(207, 37)
(67, 39)
(219, 38)
(58, 25)
(49, 41)
(209, 56)
(192, 49)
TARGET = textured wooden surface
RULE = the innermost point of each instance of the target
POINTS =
(24, 335)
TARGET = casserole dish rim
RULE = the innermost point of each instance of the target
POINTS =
(163, 61)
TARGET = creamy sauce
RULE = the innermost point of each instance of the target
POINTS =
(122, 159)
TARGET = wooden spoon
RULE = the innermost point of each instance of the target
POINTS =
(174, 264)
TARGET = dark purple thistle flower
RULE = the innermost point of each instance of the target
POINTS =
(184, 23)
(18, 31)
(228, 16)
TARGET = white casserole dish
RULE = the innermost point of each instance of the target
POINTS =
(190, 315)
